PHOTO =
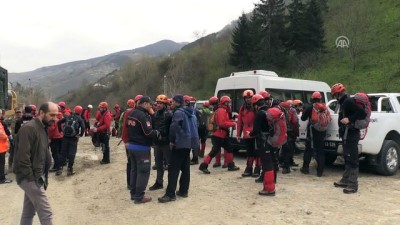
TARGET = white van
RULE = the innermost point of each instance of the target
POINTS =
(279, 87)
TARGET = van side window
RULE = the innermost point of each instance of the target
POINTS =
(386, 106)
(304, 96)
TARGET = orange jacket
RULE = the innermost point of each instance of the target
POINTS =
(3, 138)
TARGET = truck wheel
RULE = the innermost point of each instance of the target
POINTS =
(330, 159)
(388, 158)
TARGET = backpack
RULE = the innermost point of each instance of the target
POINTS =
(71, 126)
(362, 100)
(278, 134)
(320, 117)
(212, 125)
(202, 118)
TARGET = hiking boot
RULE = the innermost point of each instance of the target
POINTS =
(256, 172)
(349, 190)
(247, 172)
(340, 184)
(154, 167)
(294, 164)
(285, 170)
(156, 186)
(70, 172)
(166, 198)
(183, 195)
(319, 173)
(203, 167)
(194, 162)
(260, 179)
(305, 170)
(201, 154)
(225, 166)
(266, 193)
(104, 162)
(145, 199)
(59, 172)
(232, 167)
(216, 165)
(5, 181)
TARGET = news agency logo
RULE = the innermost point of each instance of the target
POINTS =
(342, 42)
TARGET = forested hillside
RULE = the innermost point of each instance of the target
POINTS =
(294, 40)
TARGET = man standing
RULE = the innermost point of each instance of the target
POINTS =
(4, 135)
(180, 136)
(73, 128)
(161, 122)
(102, 127)
(124, 137)
(140, 138)
(349, 112)
(30, 160)
(203, 131)
(86, 115)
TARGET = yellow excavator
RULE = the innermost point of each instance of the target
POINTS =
(8, 98)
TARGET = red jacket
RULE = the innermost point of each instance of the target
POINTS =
(223, 121)
(245, 122)
(103, 121)
(124, 135)
(87, 115)
(116, 115)
(53, 131)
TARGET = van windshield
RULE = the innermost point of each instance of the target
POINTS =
(236, 97)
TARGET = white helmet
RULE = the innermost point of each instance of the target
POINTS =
(90, 106)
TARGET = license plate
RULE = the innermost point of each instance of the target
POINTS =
(330, 145)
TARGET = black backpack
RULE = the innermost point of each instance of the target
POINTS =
(201, 118)
(71, 126)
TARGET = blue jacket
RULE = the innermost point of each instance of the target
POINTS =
(181, 126)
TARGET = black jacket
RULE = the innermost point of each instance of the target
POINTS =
(261, 127)
(78, 118)
(140, 129)
(20, 122)
(161, 122)
(350, 109)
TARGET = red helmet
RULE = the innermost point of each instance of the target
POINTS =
(337, 88)
(225, 99)
(162, 99)
(265, 94)
(130, 103)
(193, 99)
(103, 105)
(170, 101)
(248, 93)
(116, 106)
(138, 97)
(213, 100)
(285, 105)
(33, 107)
(256, 98)
(316, 95)
(62, 104)
(206, 104)
(78, 109)
(290, 102)
(186, 98)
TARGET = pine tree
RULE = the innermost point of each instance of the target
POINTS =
(269, 17)
(314, 28)
(296, 28)
(240, 57)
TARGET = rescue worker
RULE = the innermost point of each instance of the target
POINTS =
(73, 128)
(203, 131)
(349, 112)
(140, 138)
(64, 110)
(55, 137)
(298, 106)
(245, 125)
(116, 115)
(260, 131)
(214, 102)
(161, 121)
(220, 139)
(124, 137)
(102, 127)
(315, 140)
(86, 115)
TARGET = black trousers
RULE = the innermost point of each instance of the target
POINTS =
(203, 133)
(140, 173)
(315, 144)
(250, 147)
(55, 147)
(128, 168)
(219, 143)
(104, 139)
(162, 153)
(288, 151)
(2, 165)
(180, 161)
(69, 147)
(351, 159)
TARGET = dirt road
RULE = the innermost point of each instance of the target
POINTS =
(97, 194)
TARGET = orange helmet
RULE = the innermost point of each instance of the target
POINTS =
(116, 106)
(337, 88)
(33, 107)
(256, 98)
(186, 98)
(206, 104)
(248, 93)
(290, 102)
(103, 105)
(213, 100)
(130, 103)
(297, 102)
(138, 97)
(316, 95)
(265, 94)
(62, 104)
(78, 109)
(162, 99)
(285, 105)
(225, 99)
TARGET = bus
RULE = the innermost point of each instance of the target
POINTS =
(279, 87)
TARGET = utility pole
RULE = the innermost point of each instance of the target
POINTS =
(165, 84)
(30, 91)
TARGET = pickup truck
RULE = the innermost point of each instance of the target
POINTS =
(381, 140)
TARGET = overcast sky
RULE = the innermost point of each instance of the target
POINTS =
(49, 32)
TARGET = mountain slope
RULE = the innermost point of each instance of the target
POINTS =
(60, 79)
